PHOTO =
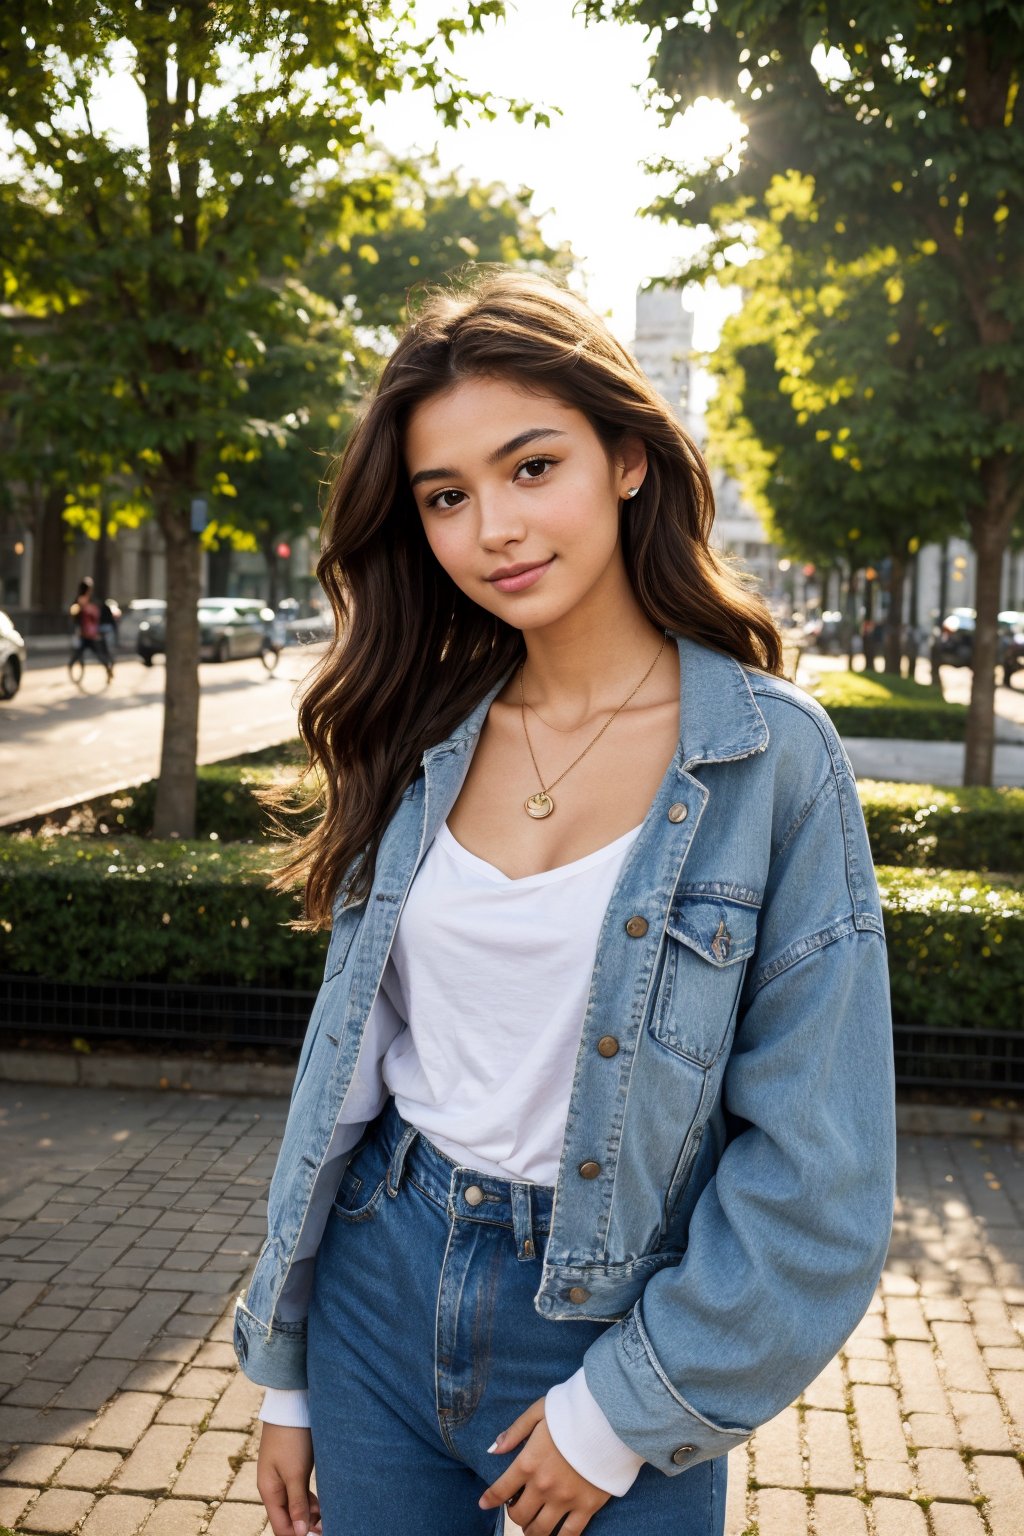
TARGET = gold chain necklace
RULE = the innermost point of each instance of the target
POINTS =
(541, 804)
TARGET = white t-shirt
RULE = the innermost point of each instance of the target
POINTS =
(492, 975)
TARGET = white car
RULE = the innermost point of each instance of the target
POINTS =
(12, 658)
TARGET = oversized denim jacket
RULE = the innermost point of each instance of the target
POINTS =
(744, 1129)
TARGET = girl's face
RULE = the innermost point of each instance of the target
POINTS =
(506, 477)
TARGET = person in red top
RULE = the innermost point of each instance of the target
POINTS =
(86, 615)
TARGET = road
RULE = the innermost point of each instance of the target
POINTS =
(59, 745)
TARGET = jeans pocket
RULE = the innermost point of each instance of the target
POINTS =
(361, 1187)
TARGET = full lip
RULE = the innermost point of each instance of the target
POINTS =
(517, 570)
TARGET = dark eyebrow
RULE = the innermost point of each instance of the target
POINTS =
(492, 458)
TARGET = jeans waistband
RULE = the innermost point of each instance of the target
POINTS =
(464, 1192)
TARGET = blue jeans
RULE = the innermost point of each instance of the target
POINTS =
(424, 1344)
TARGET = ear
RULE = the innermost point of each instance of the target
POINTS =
(630, 462)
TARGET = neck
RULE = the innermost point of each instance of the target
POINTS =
(588, 664)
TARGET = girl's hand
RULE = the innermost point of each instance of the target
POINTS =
(549, 1489)
(282, 1477)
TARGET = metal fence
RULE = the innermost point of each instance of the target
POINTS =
(229, 1016)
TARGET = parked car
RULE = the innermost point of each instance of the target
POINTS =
(138, 609)
(12, 657)
(229, 628)
(953, 640)
(824, 635)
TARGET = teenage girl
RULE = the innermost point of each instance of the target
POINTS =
(589, 1164)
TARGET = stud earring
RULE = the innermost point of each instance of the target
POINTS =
(632, 490)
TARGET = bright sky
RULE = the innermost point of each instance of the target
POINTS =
(586, 168)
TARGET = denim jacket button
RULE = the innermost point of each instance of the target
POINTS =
(590, 1170)
(682, 1454)
(607, 1045)
(579, 1293)
(677, 812)
(636, 927)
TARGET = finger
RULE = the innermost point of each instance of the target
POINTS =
(277, 1512)
(298, 1506)
(520, 1427)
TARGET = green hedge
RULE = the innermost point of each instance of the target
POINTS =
(956, 948)
(126, 909)
(875, 704)
(923, 826)
(225, 803)
(99, 909)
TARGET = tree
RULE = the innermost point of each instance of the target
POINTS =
(171, 261)
(905, 115)
(837, 404)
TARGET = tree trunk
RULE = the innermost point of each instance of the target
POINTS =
(991, 534)
(894, 622)
(850, 615)
(175, 813)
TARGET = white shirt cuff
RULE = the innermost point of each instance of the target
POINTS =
(286, 1405)
(585, 1438)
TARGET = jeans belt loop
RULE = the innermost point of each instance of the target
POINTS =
(393, 1180)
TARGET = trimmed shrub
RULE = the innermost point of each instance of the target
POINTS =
(127, 909)
(924, 826)
(956, 948)
(98, 909)
(875, 704)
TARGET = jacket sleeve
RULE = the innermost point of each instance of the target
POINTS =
(787, 1240)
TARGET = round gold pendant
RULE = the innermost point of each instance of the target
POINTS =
(540, 804)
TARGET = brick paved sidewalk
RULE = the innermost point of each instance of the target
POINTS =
(128, 1220)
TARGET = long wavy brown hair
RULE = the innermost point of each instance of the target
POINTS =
(411, 654)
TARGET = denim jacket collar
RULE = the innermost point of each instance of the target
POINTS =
(719, 717)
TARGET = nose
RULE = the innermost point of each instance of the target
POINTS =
(501, 521)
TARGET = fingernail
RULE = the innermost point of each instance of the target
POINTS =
(493, 1447)
(300, 1527)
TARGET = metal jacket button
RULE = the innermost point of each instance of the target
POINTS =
(579, 1293)
(636, 927)
(590, 1170)
(677, 812)
(607, 1045)
(473, 1194)
(682, 1454)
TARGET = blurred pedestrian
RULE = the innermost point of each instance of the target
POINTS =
(87, 618)
(110, 619)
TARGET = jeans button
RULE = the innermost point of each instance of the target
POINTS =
(683, 1453)
(636, 927)
(473, 1194)
(579, 1293)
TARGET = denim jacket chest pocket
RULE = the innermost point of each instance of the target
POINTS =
(710, 935)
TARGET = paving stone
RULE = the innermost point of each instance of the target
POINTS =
(152, 1376)
(95, 1384)
(176, 1517)
(118, 1514)
(982, 1427)
(781, 1512)
(244, 1485)
(827, 1389)
(13, 1503)
(32, 1394)
(921, 1389)
(829, 1450)
(888, 1476)
(208, 1469)
(121, 1425)
(776, 1447)
(906, 1319)
(66, 1356)
(35, 1464)
(898, 1517)
(943, 1475)
(878, 1423)
(142, 1325)
(184, 1410)
(57, 1511)
(956, 1520)
(1001, 1480)
(875, 1372)
(960, 1358)
(200, 1383)
(237, 1520)
(239, 1405)
(152, 1466)
(222, 1356)
(840, 1515)
(933, 1429)
(88, 1469)
(51, 1426)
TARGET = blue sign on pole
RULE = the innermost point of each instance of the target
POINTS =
(199, 514)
